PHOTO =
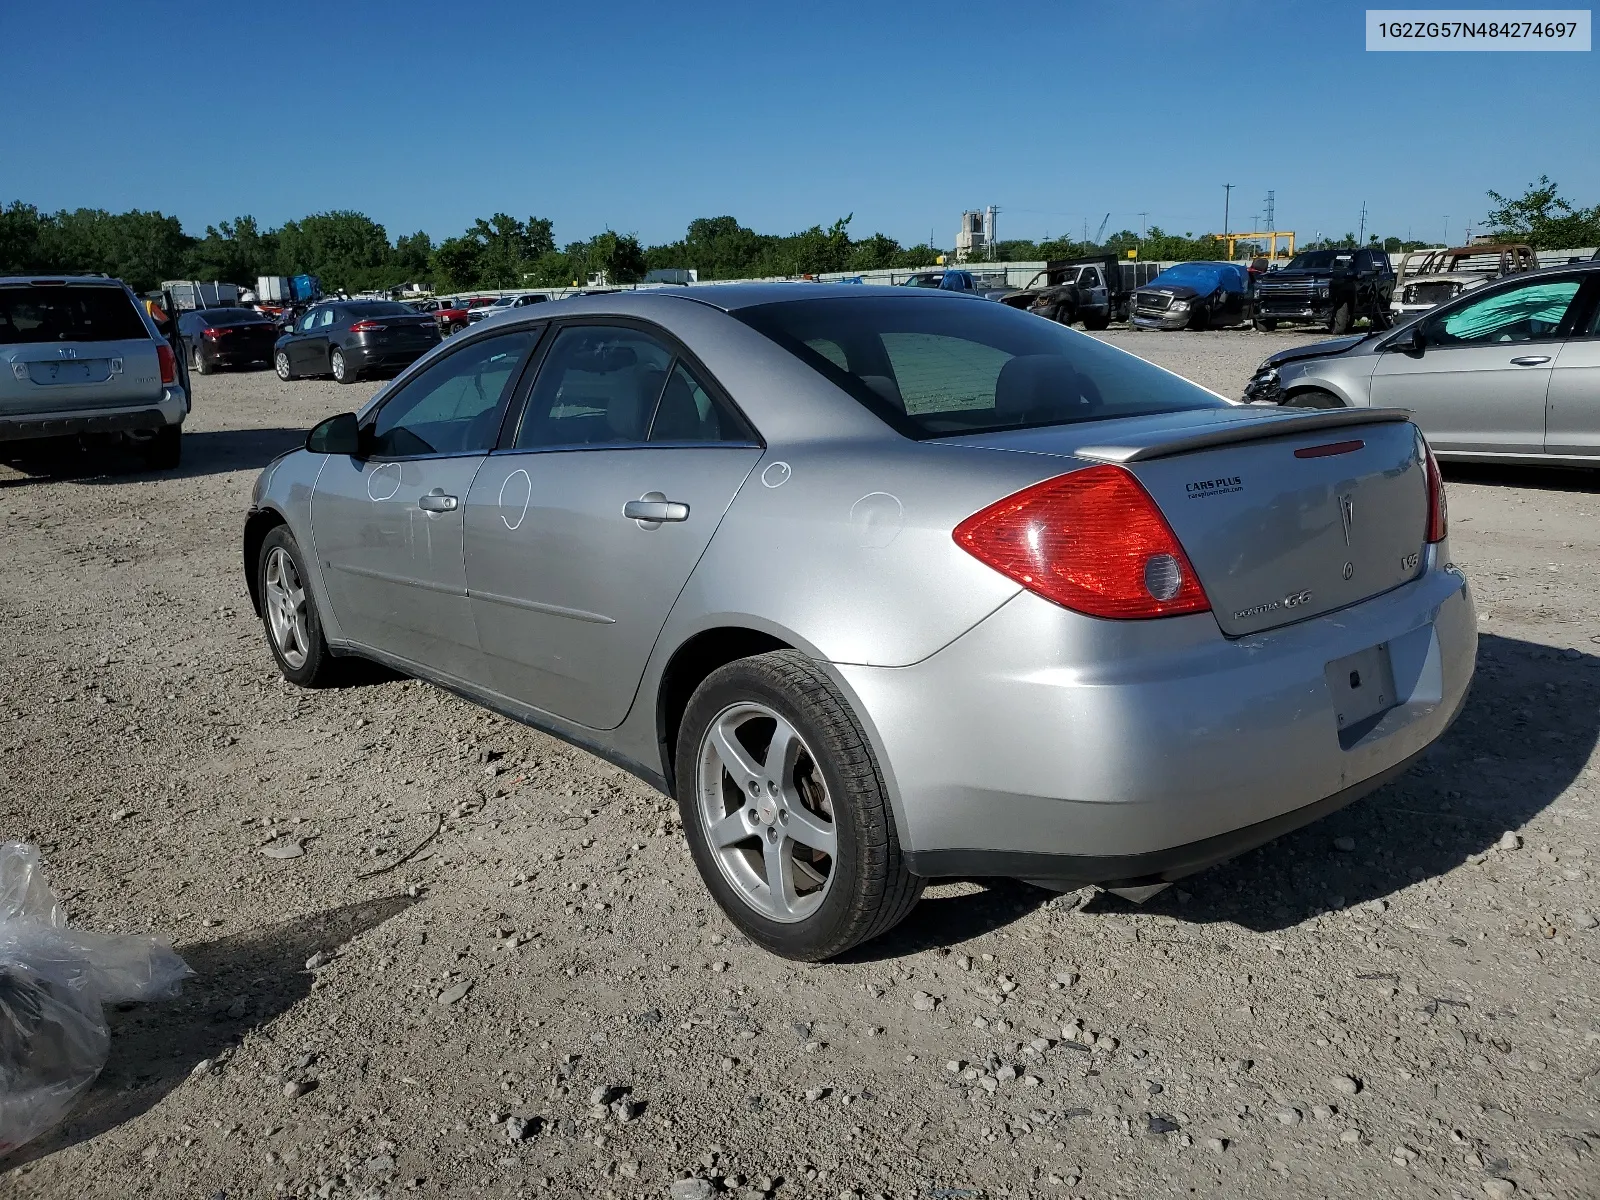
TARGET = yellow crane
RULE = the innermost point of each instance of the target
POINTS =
(1272, 236)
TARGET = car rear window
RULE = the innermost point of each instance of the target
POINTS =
(233, 316)
(379, 308)
(63, 313)
(932, 366)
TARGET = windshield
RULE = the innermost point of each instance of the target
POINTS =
(1320, 260)
(930, 369)
(504, 302)
(63, 313)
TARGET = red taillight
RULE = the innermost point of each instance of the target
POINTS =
(367, 327)
(1438, 510)
(169, 363)
(217, 332)
(1093, 541)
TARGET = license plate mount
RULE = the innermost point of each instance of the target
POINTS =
(1361, 686)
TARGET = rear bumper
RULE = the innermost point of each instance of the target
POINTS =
(1043, 744)
(372, 358)
(169, 410)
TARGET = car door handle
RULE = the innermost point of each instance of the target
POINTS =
(437, 501)
(1531, 360)
(655, 507)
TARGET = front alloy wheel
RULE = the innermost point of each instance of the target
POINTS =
(280, 362)
(289, 612)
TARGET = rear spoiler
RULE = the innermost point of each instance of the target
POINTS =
(1281, 424)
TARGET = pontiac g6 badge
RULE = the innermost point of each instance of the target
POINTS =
(1292, 600)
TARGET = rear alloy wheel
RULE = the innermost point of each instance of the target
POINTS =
(341, 369)
(199, 363)
(294, 630)
(280, 363)
(786, 811)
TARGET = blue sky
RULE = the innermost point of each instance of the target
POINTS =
(641, 116)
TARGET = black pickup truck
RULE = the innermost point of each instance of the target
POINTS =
(1330, 288)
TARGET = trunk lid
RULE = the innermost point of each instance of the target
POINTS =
(1284, 516)
(52, 377)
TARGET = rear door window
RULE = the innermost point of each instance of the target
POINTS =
(67, 313)
(598, 386)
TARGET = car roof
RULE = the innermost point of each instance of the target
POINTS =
(75, 280)
(730, 297)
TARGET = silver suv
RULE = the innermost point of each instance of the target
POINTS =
(81, 356)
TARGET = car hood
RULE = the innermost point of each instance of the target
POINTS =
(1178, 291)
(1465, 278)
(1315, 350)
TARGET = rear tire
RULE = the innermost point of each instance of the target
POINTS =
(200, 364)
(164, 451)
(1263, 324)
(1096, 323)
(340, 368)
(1341, 320)
(829, 789)
(280, 363)
(289, 613)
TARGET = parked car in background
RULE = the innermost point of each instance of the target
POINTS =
(1194, 295)
(350, 338)
(449, 311)
(1430, 277)
(505, 304)
(1066, 667)
(81, 357)
(1506, 371)
(226, 337)
(1331, 288)
(961, 282)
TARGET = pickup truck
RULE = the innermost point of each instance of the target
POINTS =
(1330, 288)
(1430, 277)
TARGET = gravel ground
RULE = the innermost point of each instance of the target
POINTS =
(1397, 1001)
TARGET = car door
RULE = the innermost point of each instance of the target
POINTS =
(1572, 408)
(1480, 382)
(304, 332)
(584, 528)
(388, 526)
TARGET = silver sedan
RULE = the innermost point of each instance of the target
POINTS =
(1506, 372)
(883, 586)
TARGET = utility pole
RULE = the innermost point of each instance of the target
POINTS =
(1144, 228)
(1446, 238)
(1227, 198)
(1271, 198)
(1361, 238)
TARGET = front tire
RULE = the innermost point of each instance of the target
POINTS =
(1313, 398)
(280, 363)
(786, 811)
(289, 612)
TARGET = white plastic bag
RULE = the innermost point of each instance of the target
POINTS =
(53, 981)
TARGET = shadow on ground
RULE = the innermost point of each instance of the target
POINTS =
(1542, 479)
(1528, 727)
(205, 452)
(1526, 731)
(239, 983)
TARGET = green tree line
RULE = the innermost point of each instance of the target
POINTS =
(350, 251)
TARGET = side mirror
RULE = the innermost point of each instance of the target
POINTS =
(336, 435)
(1412, 342)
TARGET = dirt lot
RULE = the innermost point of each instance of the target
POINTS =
(1397, 1001)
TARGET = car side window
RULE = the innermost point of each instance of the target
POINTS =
(455, 405)
(689, 413)
(307, 321)
(327, 318)
(1528, 313)
(598, 386)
